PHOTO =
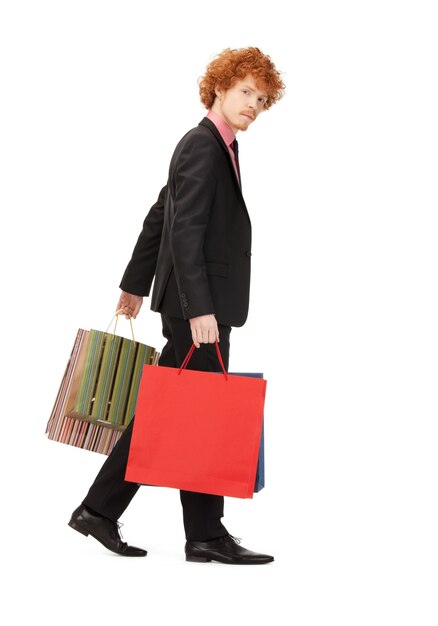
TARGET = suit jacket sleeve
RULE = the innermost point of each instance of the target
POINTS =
(140, 271)
(194, 190)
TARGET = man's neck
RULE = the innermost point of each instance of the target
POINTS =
(217, 110)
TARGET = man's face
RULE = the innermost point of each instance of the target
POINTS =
(240, 104)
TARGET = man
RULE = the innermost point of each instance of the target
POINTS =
(196, 242)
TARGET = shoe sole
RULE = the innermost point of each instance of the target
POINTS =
(205, 559)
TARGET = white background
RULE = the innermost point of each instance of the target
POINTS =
(340, 181)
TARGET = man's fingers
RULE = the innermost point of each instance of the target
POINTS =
(129, 305)
(205, 335)
(195, 339)
(200, 335)
(204, 330)
(128, 310)
(195, 336)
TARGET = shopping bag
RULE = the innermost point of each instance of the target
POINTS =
(260, 473)
(197, 431)
(98, 392)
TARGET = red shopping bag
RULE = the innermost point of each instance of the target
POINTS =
(197, 431)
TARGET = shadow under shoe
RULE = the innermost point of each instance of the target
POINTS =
(225, 550)
(104, 530)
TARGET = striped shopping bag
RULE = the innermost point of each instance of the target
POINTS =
(98, 392)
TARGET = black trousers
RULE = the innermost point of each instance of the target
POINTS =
(110, 494)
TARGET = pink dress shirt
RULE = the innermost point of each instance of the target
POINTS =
(226, 133)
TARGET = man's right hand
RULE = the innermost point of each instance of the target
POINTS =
(129, 304)
(204, 329)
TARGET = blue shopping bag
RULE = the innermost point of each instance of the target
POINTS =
(260, 475)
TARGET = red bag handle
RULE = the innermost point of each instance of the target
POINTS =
(189, 356)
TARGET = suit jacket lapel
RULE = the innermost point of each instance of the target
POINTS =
(209, 124)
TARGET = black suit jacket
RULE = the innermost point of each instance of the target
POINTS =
(196, 239)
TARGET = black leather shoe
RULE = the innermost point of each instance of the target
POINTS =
(104, 530)
(225, 550)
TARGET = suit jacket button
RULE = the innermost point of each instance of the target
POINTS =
(248, 253)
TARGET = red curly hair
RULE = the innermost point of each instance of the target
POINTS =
(231, 66)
